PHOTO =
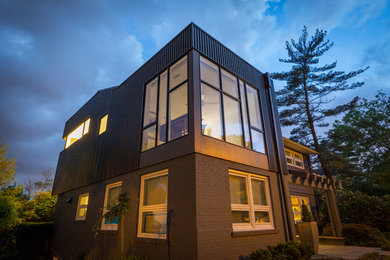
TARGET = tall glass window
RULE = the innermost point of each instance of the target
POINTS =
(230, 108)
(255, 119)
(165, 106)
(211, 112)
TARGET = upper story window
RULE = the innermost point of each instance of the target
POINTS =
(78, 133)
(294, 158)
(166, 106)
(230, 108)
(103, 124)
(250, 201)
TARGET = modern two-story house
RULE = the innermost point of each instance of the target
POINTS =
(193, 136)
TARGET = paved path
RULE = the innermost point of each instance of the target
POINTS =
(347, 252)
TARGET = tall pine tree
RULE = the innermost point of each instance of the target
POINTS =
(308, 85)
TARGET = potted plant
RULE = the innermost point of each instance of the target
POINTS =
(308, 229)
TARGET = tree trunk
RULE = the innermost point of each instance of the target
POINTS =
(312, 129)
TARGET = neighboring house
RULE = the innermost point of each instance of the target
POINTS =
(194, 137)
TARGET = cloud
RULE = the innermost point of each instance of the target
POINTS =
(328, 14)
(51, 63)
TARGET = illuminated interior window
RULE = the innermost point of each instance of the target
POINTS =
(250, 201)
(297, 202)
(76, 134)
(103, 124)
(165, 106)
(294, 158)
(82, 206)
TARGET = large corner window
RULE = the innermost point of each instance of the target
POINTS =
(294, 158)
(230, 108)
(166, 106)
(250, 201)
(297, 202)
(152, 220)
(77, 133)
(82, 206)
(110, 197)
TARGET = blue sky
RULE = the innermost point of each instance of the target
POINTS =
(54, 55)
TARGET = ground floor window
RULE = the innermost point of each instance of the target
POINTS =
(152, 218)
(250, 201)
(111, 195)
(297, 202)
(82, 205)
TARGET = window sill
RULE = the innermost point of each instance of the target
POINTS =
(254, 233)
(154, 241)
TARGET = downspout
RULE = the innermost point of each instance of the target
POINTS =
(280, 159)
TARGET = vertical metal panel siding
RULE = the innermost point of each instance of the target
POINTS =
(211, 48)
(97, 157)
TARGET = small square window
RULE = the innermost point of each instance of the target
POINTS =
(82, 206)
(103, 124)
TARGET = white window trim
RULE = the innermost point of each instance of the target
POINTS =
(251, 207)
(105, 226)
(300, 205)
(294, 159)
(81, 206)
(142, 208)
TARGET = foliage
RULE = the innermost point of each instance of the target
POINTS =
(358, 147)
(289, 250)
(8, 215)
(363, 235)
(374, 256)
(360, 208)
(7, 167)
(307, 87)
(33, 239)
(40, 208)
(119, 209)
(306, 214)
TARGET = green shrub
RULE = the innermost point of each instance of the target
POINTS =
(360, 208)
(32, 239)
(287, 251)
(374, 256)
(362, 235)
(386, 246)
(306, 214)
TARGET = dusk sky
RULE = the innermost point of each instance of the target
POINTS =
(55, 55)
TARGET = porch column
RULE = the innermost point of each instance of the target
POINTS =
(334, 215)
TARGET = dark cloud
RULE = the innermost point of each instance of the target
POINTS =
(54, 55)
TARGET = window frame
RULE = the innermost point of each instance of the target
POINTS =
(158, 207)
(83, 132)
(300, 205)
(105, 226)
(293, 159)
(169, 89)
(100, 124)
(240, 99)
(79, 206)
(251, 208)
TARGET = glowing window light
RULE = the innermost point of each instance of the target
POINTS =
(103, 124)
(79, 132)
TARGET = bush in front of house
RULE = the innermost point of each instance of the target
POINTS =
(363, 235)
(289, 250)
(32, 239)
